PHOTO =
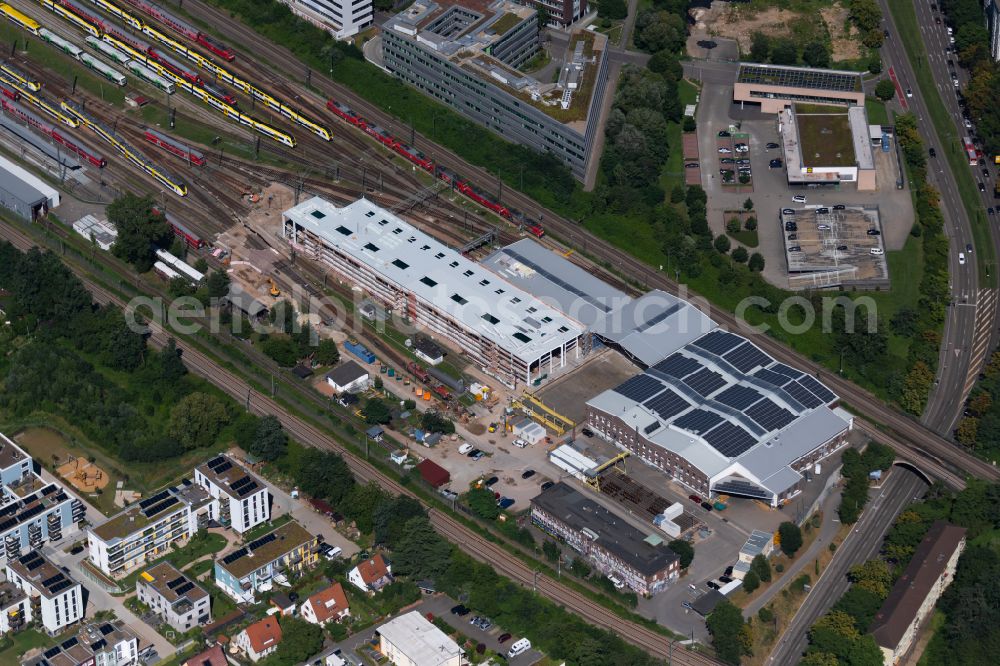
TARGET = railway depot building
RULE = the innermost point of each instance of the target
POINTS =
(718, 415)
(507, 332)
(614, 547)
(467, 54)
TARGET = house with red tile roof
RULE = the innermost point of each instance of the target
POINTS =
(329, 605)
(213, 656)
(371, 575)
(260, 639)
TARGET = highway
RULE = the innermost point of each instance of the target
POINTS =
(898, 491)
(969, 327)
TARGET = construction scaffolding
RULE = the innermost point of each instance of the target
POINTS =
(534, 408)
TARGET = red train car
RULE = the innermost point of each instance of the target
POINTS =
(49, 130)
(447, 175)
(10, 94)
(222, 94)
(483, 199)
(215, 47)
(381, 135)
(182, 232)
(414, 156)
(174, 146)
(536, 230)
(86, 16)
(344, 112)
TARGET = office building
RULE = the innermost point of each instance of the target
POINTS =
(912, 599)
(341, 18)
(561, 12)
(96, 644)
(178, 600)
(274, 557)
(508, 333)
(240, 500)
(148, 529)
(775, 87)
(467, 55)
(412, 640)
(56, 599)
(612, 546)
(32, 511)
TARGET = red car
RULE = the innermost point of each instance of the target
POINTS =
(695, 499)
(503, 638)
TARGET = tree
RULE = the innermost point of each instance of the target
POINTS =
(748, 205)
(420, 551)
(196, 420)
(245, 430)
(551, 550)
(750, 224)
(730, 634)
(751, 581)
(815, 54)
(125, 347)
(873, 576)
(376, 411)
(967, 431)
(791, 538)
(756, 263)
(615, 10)
(300, 640)
(217, 284)
(684, 550)
(172, 367)
(483, 503)
(784, 52)
(761, 567)
(721, 244)
(270, 441)
(324, 474)
(733, 225)
(765, 614)
(760, 47)
(885, 90)
(283, 317)
(740, 255)
(390, 517)
(140, 230)
(543, 17)
(282, 349)
(434, 422)
(201, 265)
(327, 352)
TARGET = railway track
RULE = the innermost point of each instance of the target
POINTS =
(464, 538)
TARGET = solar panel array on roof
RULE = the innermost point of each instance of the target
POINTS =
(184, 589)
(32, 561)
(772, 377)
(106, 628)
(177, 582)
(803, 395)
(817, 389)
(60, 586)
(214, 462)
(159, 497)
(668, 404)
(52, 651)
(677, 365)
(769, 415)
(225, 466)
(739, 397)
(651, 428)
(28, 514)
(746, 357)
(705, 382)
(814, 79)
(698, 421)
(7, 524)
(49, 581)
(786, 370)
(737, 487)
(244, 486)
(657, 318)
(98, 645)
(266, 539)
(639, 388)
(49, 489)
(730, 440)
(157, 508)
(233, 556)
(71, 642)
(718, 342)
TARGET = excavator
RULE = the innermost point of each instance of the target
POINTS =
(275, 292)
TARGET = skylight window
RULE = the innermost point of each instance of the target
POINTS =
(563, 329)
(370, 213)
(484, 282)
(382, 223)
(454, 264)
(499, 291)
(318, 214)
(344, 230)
(425, 247)
(458, 299)
(429, 282)
(532, 309)
(439, 255)
(490, 318)
(397, 231)
(522, 337)
(467, 273)
(547, 320)
(398, 263)
(515, 300)
(371, 247)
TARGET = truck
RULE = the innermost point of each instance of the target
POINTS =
(359, 350)
(418, 372)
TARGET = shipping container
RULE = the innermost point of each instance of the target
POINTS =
(360, 351)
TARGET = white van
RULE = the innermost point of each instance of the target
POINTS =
(520, 646)
(465, 448)
(616, 582)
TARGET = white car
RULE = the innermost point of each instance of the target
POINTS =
(798, 198)
(968, 123)
(724, 151)
(877, 251)
(823, 227)
(909, 93)
(961, 258)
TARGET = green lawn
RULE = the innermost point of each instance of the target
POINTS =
(201, 544)
(264, 528)
(906, 267)
(744, 237)
(672, 173)
(905, 17)
(15, 645)
(877, 115)
(199, 568)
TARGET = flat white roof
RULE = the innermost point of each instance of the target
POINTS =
(857, 118)
(418, 639)
(31, 180)
(479, 299)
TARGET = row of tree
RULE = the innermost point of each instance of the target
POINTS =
(972, 45)
(856, 470)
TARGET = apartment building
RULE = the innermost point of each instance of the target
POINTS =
(467, 55)
(240, 500)
(95, 644)
(55, 598)
(341, 18)
(15, 608)
(32, 511)
(178, 600)
(508, 333)
(612, 546)
(147, 529)
(274, 557)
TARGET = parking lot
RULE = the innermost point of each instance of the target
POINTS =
(733, 149)
(834, 239)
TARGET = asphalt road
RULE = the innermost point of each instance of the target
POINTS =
(862, 544)
(968, 328)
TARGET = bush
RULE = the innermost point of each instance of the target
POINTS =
(689, 124)
(750, 224)
(751, 581)
(765, 614)
(733, 225)
(779, 567)
(721, 244)
(740, 255)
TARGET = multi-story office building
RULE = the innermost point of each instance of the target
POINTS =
(32, 511)
(467, 53)
(105, 644)
(276, 556)
(506, 331)
(181, 602)
(239, 499)
(561, 12)
(55, 598)
(147, 529)
(342, 18)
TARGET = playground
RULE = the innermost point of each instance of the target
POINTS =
(83, 474)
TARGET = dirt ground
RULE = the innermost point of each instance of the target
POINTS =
(83, 474)
(739, 21)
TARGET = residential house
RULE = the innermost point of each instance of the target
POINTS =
(282, 604)
(260, 639)
(240, 500)
(213, 656)
(57, 599)
(329, 605)
(371, 575)
(348, 377)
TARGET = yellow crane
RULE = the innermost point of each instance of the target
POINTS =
(536, 409)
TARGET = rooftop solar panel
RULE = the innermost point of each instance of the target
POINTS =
(794, 77)
(67, 644)
(240, 482)
(49, 489)
(60, 586)
(651, 428)
(658, 317)
(28, 514)
(698, 421)
(718, 342)
(677, 365)
(769, 415)
(705, 382)
(162, 506)
(739, 397)
(817, 389)
(106, 628)
(159, 497)
(730, 440)
(98, 645)
(7, 524)
(266, 539)
(233, 556)
(786, 370)
(772, 377)
(52, 651)
(177, 582)
(746, 357)
(667, 405)
(32, 561)
(224, 467)
(248, 488)
(54, 579)
(217, 460)
(639, 388)
(803, 395)
(184, 589)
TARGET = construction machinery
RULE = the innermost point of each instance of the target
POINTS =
(545, 415)
(594, 475)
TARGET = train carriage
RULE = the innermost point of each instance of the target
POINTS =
(20, 20)
(224, 95)
(215, 47)
(85, 22)
(173, 146)
(20, 77)
(343, 112)
(381, 135)
(67, 47)
(150, 76)
(107, 50)
(414, 156)
(26, 116)
(107, 72)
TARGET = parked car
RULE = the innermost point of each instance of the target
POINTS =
(729, 570)
(877, 251)
(788, 211)
(586, 432)
(505, 503)
(725, 579)
(793, 236)
(691, 165)
(968, 248)
(775, 164)
(547, 485)
(528, 473)
(490, 481)
(799, 198)
(771, 146)
(723, 134)
(459, 610)
(839, 207)
(842, 248)
(477, 454)
(873, 232)
(795, 248)
(727, 160)
(503, 638)
(823, 227)
(724, 151)
(712, 584)
(743, 161)
(706, 506)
